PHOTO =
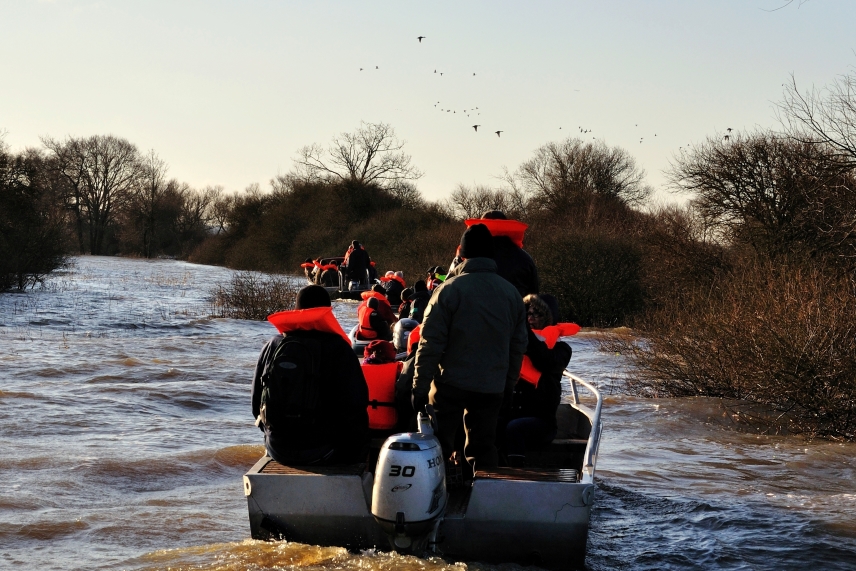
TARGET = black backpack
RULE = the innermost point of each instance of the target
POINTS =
(291, 385)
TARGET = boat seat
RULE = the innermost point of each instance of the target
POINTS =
(274, 467)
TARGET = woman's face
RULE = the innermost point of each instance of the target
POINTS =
(536, 318)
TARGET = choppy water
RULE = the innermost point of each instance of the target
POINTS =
(125, 427)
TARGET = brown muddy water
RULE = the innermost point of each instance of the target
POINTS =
(125, 427)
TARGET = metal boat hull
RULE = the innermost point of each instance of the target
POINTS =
(536, 515)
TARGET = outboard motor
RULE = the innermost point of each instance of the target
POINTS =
(401, 332)
(409, 493)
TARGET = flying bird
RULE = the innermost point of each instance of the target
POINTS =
(474, 75)
(729, 129)
(476, 127)
(497, 133)
(376, 67)
(420, 38)
(361, 69)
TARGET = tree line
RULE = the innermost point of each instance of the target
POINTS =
(744, 292)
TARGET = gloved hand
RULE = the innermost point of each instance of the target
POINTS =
(418, 402)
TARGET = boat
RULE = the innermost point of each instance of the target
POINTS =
(344, 289)
(533, 515)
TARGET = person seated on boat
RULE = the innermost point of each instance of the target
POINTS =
(419, 300)
(404, 307)
(309, 266)
(471, 349)
(512, 261)
(329, 275)
(432, 280)
(357, 262)
(532, 422)
(394, 284)
(329, 423)
(384, 308)
(371, 325)
(379, 352)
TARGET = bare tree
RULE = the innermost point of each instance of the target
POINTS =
(466, 202)
(776, 194)
(152, 185)
(370, 155)
(103, 171)
(570, 173)
(826, 115)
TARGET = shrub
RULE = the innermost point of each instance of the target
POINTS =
(252, 295)
(780, 340)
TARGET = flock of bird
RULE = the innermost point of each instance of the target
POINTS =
(475, 110)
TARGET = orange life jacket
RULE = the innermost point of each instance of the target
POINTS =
(381, 382)
(366, 295)
(396, 278)
(329, 267)
(307, 265)
(313, 319)
(514, 229)
(364, 316)
(549, 335)
(413, 338)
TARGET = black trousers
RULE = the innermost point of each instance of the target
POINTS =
(477, 411)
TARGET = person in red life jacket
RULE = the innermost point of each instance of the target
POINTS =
(404, 307)
(379, 352)
(308, 266)
(333, 426)
(471, 349)
(357, 262)
(419, 301)
(512, 261)
(393, 283)
(433, 280)
(384, 308)
(329, 275)
(371, 324)
(532, 422)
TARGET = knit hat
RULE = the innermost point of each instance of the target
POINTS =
(406, 293)
(477, 242)
(420, 286)
(378, 352)
(494, 215)
(399, 274)
(312, 296)
(379, 289)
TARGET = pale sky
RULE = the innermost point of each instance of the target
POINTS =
(227, 92)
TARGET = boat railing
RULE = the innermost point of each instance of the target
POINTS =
(594, 436)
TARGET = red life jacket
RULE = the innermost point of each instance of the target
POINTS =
(396, 278)
(329, 267)
(413, 338)
(365, 330)
(313, 319)
(366, 295)
(514, 229)
(549, 335)
(381, 382)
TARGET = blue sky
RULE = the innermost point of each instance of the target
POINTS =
(226, 92)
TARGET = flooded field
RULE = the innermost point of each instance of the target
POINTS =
(125, 427)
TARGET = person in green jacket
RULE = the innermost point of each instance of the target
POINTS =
(473, 338)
